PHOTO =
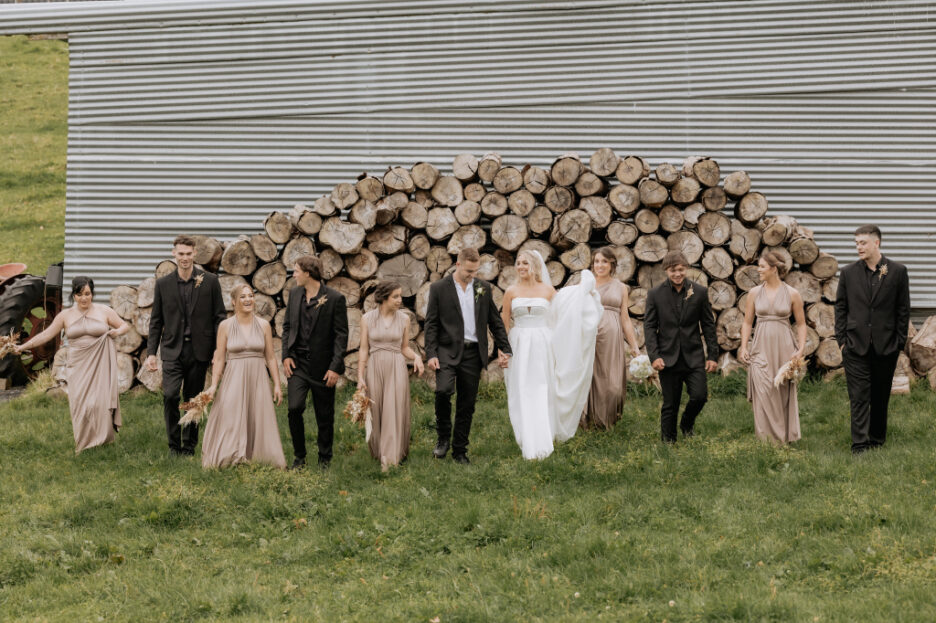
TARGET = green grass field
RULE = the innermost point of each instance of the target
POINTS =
(613, 526)
(33, 143)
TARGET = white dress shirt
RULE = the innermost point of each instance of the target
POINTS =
(467, 303)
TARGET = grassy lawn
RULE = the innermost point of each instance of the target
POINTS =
(33, 143)
(613, 526)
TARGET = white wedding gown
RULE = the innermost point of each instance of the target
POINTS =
(550, 372)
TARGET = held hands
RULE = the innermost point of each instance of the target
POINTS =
(503, 359)
(288, 366)
(658, 364)
(433, 364)
(331, 378)
(151, 364)
(711, 366)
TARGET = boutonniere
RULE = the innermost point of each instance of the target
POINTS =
(321, 301)
(883, 271)
(479, 292)
(199, 278)
(689, 293)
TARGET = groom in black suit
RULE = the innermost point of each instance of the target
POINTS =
(676, 309)
(460, 311)
(872, 317)
(187, 309)
(315, 338)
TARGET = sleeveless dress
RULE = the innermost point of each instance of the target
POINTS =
(776, 412)
(609, 381)
(91, 375)
(388, 387)
(242, 422)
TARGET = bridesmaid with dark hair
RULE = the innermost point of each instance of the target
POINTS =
(609, 380)
(776, 412)
(91, 366)
(383, 375)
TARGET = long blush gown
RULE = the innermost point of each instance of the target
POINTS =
(242, 422)
(609, 381)
(91, 377)
(776, 412)
(387, 382)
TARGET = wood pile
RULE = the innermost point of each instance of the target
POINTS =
(408, 224)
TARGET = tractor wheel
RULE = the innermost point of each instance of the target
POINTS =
(25, 311)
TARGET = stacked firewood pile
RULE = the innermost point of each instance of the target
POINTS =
(409, 224)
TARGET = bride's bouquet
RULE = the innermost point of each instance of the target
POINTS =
(640, 368)
(195, 409)
(358, 411)
(7, 342)
(794, 370)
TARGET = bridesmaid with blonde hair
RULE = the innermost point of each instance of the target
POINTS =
(609, 379)
(382, 373)
(91, 366)
(776, 411)
(242, 422)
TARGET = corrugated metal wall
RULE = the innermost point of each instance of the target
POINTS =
(204, 116)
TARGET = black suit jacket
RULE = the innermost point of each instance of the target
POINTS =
(167, 322)
(329, 333)
(668, 334)
(445, 327)
(879, 315)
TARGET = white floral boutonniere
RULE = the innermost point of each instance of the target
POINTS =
(199, 278)
(321, 301)
(883, 271)
(689, 293)
(479, 292)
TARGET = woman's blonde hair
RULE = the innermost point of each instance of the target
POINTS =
(533, 260)
(236, 292)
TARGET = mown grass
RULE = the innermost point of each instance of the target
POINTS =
(613, 526)
(33, 144)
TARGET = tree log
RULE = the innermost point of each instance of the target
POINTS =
(324, 207)
(441, 223)
(369, 188)
(702, 168)
(804, 251)
(692, 213)
(507, 277)
(566, 170)
(355, 316)
(751, 208)
(604, 162)
(626, 264)
(424, 198)
(278, 227)
(737, 184)
(239, 258)
(297, 247)
(270, 278)
(521, 202)
(713, 199)
(825, 266)
(571, 228)
(509, 232)
(624, 199)
(304, 220)
(289, 287)
(822, 318)
(647, 221)
(418, 247)
(631, 170)
(830, 289)
(557, 273)
(536, 180)
(363, 213)
(559, 199)
(438, 260)
(745, 242)
(142, 315)
(406, 270)
(922, 347)
(424, 175)
(422, 300)
(388, 240)
(807, 285)
(362, 266)
(488, 166)
(489, 268)
(652, 194)
(332, 263)
(126, 368)
(264, 306)
(467, 237)
(721, 295)
(129, 342)
(666, 174)
(465, 167)
(698, 275)
(650, 248)
(621, 233)
(344, 195)
(598, 209)
(650, 276)
(671, 218)
(467, 212)
(829, 355)
(540, 246)
(414, 215)
(685, 191)
(123, 300)
(264, 248)
(688, 242)
(728, 328)
(637, 301)
(717, 263)
(475, 192)
(447, 191)
(777, 229)
(345, 238)
(208, 252)
(397, 178)
(494, 204)
(540, 220)
(165, 267)
(577, 258)
(746, 277)
(589, 184)
(714, 228)
(507, 180)
(350, 288)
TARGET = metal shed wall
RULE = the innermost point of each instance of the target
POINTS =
(204, 116)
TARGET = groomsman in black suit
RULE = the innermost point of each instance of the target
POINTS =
(675, 312)
(872, 316)
(315, 338)
(459, 313)
(187, 309)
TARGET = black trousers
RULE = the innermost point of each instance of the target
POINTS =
(185, 374)
(671, 382)
(462, 380)
(869, 379)
(298, 387)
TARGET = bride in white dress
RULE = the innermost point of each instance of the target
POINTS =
(550, 372)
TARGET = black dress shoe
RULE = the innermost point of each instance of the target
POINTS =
(175, 453)
(461, 458)
(688, 432)
(441, 449)
(298, 462)
(188, 451)
(324, 463)
(671, 441)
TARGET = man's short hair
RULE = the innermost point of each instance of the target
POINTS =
(312, 265)
(185, 240)
(469, 255)
(673, 258)
(869, 230)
